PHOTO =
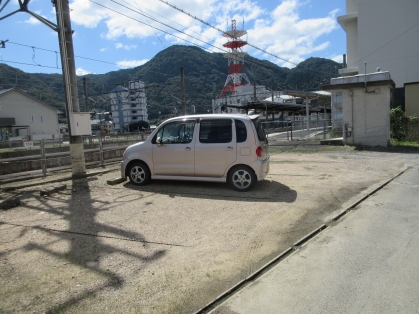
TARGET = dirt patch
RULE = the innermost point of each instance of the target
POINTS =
(168, 247)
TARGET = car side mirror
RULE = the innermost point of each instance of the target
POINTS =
(158, 141)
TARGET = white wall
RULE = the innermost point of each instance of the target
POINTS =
(389, 39)
(41, 120)
(383, 34)
(368, 115)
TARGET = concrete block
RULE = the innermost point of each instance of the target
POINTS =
(116, 181)
(10, 203)
(53, 189)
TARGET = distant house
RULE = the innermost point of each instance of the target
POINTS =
(23, 117)
(101, 126)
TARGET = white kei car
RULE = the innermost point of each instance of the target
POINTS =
(229, 148)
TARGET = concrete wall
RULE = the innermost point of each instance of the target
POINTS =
(368, 115)
(412, 100)
(387, 37)
(39, 120)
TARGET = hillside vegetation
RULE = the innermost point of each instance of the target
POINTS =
(205, 75)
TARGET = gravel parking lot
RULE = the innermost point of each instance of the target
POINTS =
(169, 247)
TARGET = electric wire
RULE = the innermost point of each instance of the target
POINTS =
(225, 33)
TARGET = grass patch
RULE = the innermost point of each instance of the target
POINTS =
(395, 143)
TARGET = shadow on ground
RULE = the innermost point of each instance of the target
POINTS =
(263, 191)
(82, 245)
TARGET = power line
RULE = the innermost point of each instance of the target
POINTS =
(36, 65)
(223, 32)
(91, 59)
(250, 61)
(175, 29)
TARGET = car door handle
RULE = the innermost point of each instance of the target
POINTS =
(230, 148)
(187, 148)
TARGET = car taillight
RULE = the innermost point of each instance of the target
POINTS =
(259, 151)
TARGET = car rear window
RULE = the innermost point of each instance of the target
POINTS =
(259, 129)
(215, 131)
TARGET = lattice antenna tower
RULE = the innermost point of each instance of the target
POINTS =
(236, 70)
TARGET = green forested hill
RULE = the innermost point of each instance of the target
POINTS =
(205, 75)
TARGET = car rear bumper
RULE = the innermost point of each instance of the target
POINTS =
(261, 168)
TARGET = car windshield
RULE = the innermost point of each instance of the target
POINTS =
(259, 130)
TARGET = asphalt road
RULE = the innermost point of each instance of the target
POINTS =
(365, 263)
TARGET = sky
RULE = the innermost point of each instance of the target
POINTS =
(117, 34)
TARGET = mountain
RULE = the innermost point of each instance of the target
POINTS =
(205, 75)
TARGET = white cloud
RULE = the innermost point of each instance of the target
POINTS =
(131, 63)
(103, 49)
(281, 32)
(126, 47)
(286, 35)
(81, 71)
(338, 58)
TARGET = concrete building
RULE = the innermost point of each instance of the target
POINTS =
(365, 104)
(384, 34)
(26, 118)
(128, 105)
(233, 103)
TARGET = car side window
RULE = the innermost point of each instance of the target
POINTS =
(241, 132)
(215, 131)
(179, 132)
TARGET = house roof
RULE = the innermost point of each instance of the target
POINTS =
(5, 91)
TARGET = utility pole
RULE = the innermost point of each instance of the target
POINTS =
(86, 101)
(63, 28)
(273, 112)
(65, 38)
(182, 83)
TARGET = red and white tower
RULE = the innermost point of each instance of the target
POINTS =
(236, 70)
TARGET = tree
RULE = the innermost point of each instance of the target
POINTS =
(138, 126)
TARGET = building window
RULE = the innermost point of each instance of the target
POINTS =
(32, 119)
(42, 118)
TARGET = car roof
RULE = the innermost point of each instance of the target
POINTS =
(212, 116)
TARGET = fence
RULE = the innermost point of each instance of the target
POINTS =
(312, 130)
(49, 155)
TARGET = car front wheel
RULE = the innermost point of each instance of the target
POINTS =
(138, 173)
(242, 178)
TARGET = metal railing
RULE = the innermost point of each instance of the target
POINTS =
(312, 130)
(50, 155)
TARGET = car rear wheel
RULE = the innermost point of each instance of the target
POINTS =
(138, 173)
(242, 178)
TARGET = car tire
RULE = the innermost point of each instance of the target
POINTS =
(139, 173)
(241, 178)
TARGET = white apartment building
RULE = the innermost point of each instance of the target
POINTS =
(384, 34)
(128, 105)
